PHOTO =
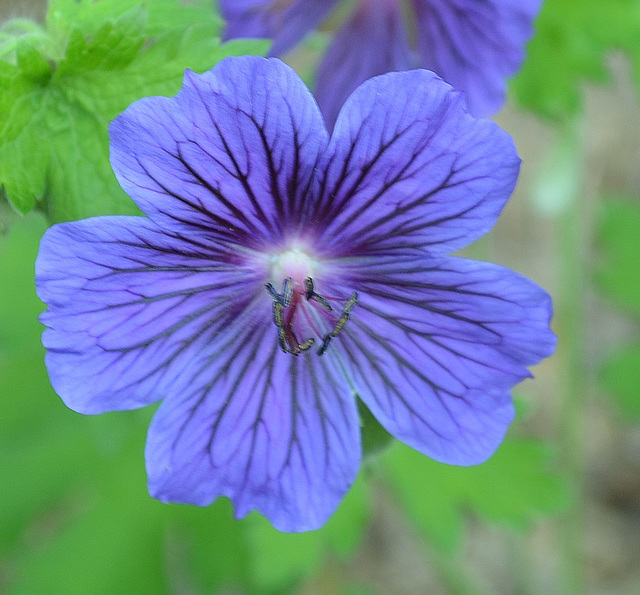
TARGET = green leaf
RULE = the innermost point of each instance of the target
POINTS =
(24, 159)
(572, 40)
(620, 377)
(618, 274)
(163, 15)
(113, 47)
(157, 71)
(513, 488)
(280, 559)
(81, 181)
(32, 63)
(95, 58)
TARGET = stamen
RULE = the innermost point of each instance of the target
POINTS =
(271, 290)
(307, 344)
(325, 343)
(278, 319)
(287, 292)
(286, 337)
(291, 301)
(344, 317)
(278, 314)
(310, 294)
(308, 286)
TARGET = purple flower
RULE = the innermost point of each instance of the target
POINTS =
(281, 274)
(472, 44)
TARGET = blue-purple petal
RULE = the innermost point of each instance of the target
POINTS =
(373, 41)
(232, 155)
(131, 306)
(408, 168)
(435, 345)
(475, 45)
(284, 21)
(272, 432)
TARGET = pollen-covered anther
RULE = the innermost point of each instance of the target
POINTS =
(290, 314)
(286, 337)
(287, 292)
(310, 294)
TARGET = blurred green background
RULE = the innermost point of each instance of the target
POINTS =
(556, 510)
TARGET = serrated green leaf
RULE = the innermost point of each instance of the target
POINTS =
(81, 182)
(113, 47)
(618, 275)
(106, 54)
(514, 487)
(620, 377)
(157, 71)
(24, 157)
(570, 47)
(163, 15)
(32, 63)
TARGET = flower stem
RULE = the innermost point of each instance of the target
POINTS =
(570, 326)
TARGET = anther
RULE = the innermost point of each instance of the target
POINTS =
(325, 344)
(306, 345)
(286, 336)
(278, 320)
(289, 301)
(271, 290)
(287, 292)
(278, 314)
(344, 317)
(308, 287)
(310, 294)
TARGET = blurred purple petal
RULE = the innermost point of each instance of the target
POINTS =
(408, 168)
(375, 34)
(436, 345)
(284, 21)
(232, 154)
(270, 431)
(130, 306)
(474, 45)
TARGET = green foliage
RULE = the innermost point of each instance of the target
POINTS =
(618, 276)
(620, 377)
(279, 559)
(570, 46)
(375, 439)
(514, 487)
(60, 87)
(619, 241)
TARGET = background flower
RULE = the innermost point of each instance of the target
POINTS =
(243, 187)
(472, 44)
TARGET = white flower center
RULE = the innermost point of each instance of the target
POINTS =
(294, 263)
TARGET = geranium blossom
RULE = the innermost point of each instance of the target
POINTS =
(280, 274)
(472, 44)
